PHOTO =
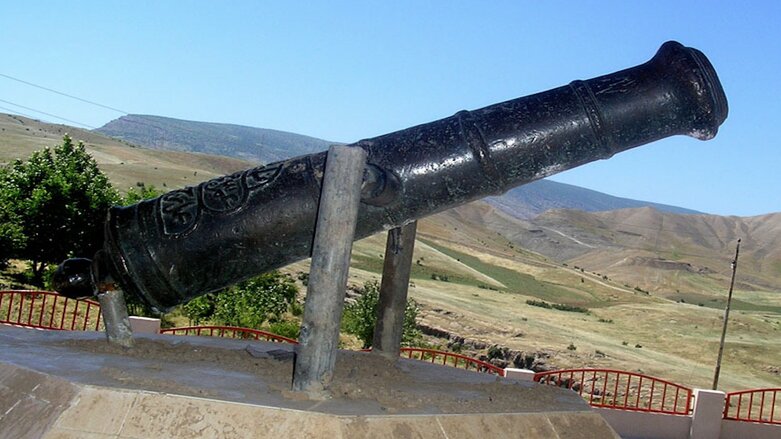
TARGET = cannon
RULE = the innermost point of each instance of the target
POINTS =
(200, 239)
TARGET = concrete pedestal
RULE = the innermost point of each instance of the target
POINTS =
(74, 385)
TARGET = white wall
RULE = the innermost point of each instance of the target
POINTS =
(641, 425)
(748, 430)
(705, 423)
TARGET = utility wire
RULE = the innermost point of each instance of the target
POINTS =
(17, 112)
(48, 114)
(51, 90)
(63, 94)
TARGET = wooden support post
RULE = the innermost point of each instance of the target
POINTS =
(336, 219)
(393, 290)
(115, 318)
(726, 318)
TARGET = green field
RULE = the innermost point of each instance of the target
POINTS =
(625, 329)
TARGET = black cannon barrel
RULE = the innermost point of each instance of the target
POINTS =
(199, 239)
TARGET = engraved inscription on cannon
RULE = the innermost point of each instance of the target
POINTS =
(256, 178)
(179, 211)
(223, 194)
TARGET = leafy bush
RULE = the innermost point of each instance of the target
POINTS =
(303, 277)
(539, 303)
(199, 309)
(558, 306)
(496, 351)
(140, 193)
(249, 304)
(360, 317)
(254, 301)
(286, 328)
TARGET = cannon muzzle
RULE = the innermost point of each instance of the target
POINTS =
(200, 239)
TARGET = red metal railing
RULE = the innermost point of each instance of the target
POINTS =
(600, 387)
(756, 405)
(622, 390)
(429, 355)
(229, 332)
(47, 310)
(451, 359)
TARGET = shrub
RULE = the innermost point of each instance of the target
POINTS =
(360, 317)
(286, 328)
(558, 306)
(248, 304)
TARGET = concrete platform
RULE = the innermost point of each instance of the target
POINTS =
(74, 385)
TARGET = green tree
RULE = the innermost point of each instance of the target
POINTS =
(360, 317)
(60, 199)
(199, 309)
(248, 304)
(12, 237)
(140, 193)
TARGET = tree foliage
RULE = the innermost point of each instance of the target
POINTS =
(249, 304)
(54, 206)
(140, 193)
(12, 237)
(200, 309)
(360, 317)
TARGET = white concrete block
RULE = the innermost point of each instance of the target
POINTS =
(708, 412)
(144, 325)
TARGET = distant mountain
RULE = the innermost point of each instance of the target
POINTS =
(247, 143)
(660, 251)
(264, 145)
(532, 199)
(125, 164)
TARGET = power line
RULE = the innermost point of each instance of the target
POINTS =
(64, 94)
(51, 90)
(17, 112)
(48, 114)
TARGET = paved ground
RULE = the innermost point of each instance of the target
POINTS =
(74, 383)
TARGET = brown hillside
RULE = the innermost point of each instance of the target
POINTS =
(126, 164)
(657, 251)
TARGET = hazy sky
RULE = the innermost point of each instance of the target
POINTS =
(344, 71)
